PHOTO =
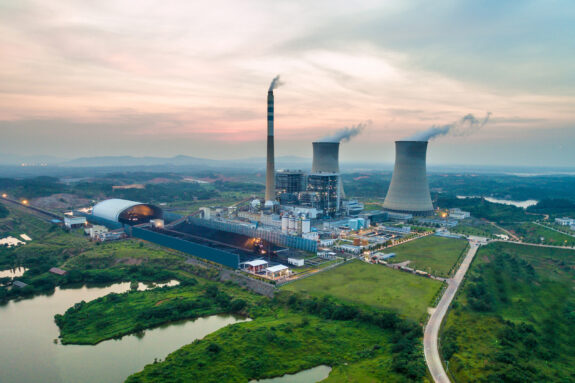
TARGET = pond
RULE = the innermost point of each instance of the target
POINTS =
(13, 273)
(315, 374)
(28, 352)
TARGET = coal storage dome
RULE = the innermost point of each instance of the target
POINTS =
(127, 212)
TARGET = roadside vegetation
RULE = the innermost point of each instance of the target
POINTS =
(372, 285)
(514, 320)
(433, 254)
(534, 233)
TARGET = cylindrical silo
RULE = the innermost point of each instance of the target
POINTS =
(409, 189)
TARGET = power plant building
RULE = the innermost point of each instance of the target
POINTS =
(288, 185)
(126, 212)
(409, 190)
(324, 189)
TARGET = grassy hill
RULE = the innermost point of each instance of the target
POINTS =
(514, 320)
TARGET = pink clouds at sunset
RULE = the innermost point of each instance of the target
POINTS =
(190, 77)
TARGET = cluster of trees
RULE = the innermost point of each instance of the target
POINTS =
(4, 212)
(489, 285)
(405, 335)
(480, 208)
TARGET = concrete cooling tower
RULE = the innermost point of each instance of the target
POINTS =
(409, 190)
(325, 157)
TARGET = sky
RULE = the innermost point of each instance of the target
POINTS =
(171, 77)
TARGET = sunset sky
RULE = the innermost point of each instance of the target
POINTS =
(162, 78)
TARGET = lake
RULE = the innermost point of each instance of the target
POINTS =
(28, 352)
(522, 204)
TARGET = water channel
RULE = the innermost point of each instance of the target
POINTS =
(28, 352)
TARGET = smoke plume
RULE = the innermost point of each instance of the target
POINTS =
(346, 134)
(276, 83)
(465, 126)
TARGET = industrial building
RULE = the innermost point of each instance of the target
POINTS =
(289, 184)
(409, 190)
(126, 212)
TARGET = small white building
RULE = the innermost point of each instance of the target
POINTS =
(565, 221)
(459, 214)
(255, 266)
(572, 227)
(277, 271)
(312, 235)
(96, 231)
(74, 222)
(296, 261)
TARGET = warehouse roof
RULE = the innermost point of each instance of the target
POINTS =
(111, 209)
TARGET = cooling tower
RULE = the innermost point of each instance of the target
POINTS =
(270, 168)
(325, 157)
(409, 190)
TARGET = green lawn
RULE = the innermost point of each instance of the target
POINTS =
(373, 285)
(436, 255)
(514, 320)
(477, 228)
(531, 232)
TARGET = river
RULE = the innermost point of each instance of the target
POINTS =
(28, 352)
(522, 204)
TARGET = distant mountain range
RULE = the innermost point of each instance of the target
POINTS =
(131, 161)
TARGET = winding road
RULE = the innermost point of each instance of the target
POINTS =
(431, 334)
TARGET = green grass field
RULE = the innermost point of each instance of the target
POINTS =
(531, 232)
(373, 285)
(477, 228)
(436, 255)
(514, 320)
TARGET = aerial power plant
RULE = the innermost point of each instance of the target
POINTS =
(304, 216)
(409, 190)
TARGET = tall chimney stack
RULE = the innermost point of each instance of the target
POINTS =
(270, 168)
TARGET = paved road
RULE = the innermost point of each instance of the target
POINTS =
(430, 342)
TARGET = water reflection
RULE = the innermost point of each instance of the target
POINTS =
(315, 374)
(29, 354)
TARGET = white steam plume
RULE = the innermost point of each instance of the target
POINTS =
(276, 83)
(346, 134)
(465, 126)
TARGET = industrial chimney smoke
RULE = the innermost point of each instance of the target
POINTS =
(409, 190)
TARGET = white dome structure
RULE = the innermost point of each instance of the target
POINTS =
(128, 212)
